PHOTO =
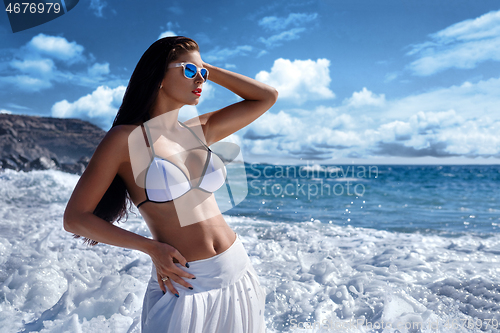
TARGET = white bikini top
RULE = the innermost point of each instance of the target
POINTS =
(165, 181)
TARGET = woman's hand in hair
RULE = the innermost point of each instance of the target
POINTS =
(163, 256)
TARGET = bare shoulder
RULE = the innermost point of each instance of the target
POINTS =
(122, 131)
(112, 151)
(104, 165)
(98, 175)
(116, 140)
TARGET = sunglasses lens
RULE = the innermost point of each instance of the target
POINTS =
(204, 73)
(190, 70)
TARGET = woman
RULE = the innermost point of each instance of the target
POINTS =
(202, 280)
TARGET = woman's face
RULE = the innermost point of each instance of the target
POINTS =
(178, 89)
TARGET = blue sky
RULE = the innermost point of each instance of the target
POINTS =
(413, 81)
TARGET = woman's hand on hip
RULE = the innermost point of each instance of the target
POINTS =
(163, 256)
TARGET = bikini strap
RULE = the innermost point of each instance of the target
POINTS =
(147, 137)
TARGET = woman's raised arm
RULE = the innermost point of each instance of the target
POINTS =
(258, 98)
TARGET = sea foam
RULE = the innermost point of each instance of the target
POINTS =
(318, 277)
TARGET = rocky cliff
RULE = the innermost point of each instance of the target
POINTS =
(30, 142)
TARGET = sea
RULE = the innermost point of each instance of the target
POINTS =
(346, 248)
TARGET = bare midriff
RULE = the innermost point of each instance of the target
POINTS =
(199, 240)
(191, 223)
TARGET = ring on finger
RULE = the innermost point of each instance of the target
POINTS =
(164, 279)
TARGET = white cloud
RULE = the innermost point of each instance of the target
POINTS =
(99, 69)
(17, 106)
(462, 45)
(274, 40)
(437, 134)
(97, 6)
(37, 65)
(342, 121)
(41, 67)
(478, 99)
(99, 107)
(25, 82)
(485, 26)
(167, 33)
(440, 134)
(364, 98)
(474, 138)
(276, 135)
(30, 74)
(461, 120)
(281, 23)
(299, 80)
(395, 131)
(391, 76)
(169, 29)
(271, 125)
(56, 48)
(463, 56)
(272, 134)
(218, 54)
(261, 53)
(429, 121)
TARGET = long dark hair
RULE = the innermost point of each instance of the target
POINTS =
(139, 97)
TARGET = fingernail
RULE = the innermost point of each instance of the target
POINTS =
(194, 278)
(177, 295)
(187, 265)
(190, 288)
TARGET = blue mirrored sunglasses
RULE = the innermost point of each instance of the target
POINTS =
(190, 70)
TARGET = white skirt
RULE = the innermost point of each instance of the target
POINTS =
(226, 298)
